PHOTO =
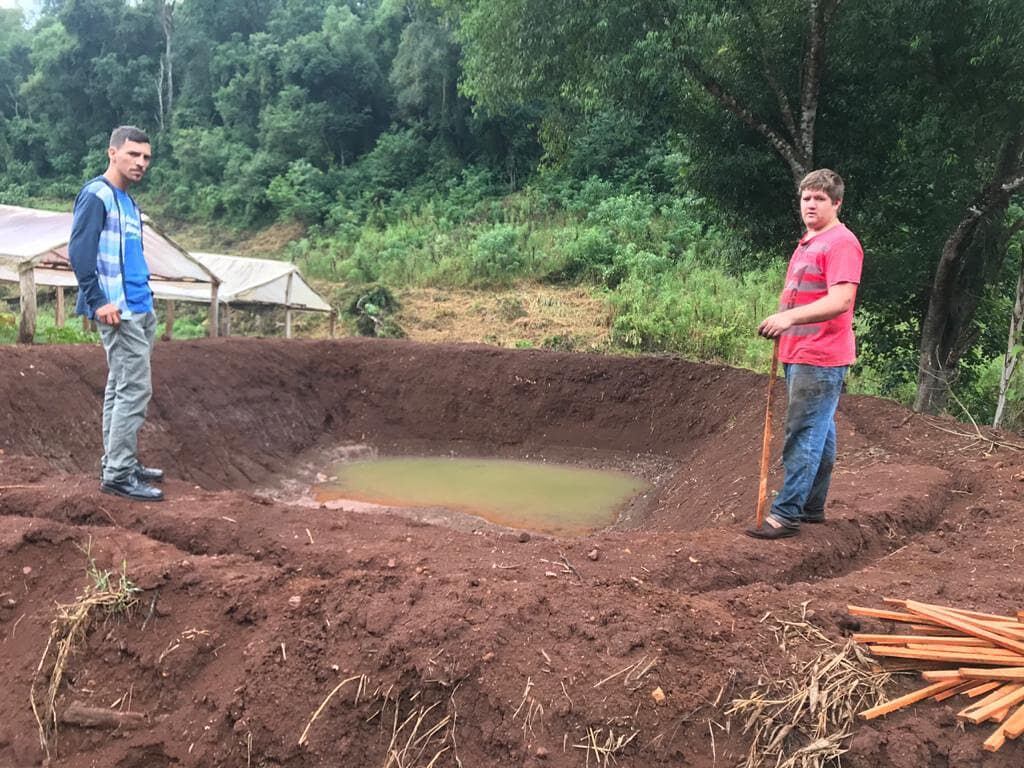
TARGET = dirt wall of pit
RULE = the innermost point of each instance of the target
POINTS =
(236, 413)
(523, 648)
(225, 412)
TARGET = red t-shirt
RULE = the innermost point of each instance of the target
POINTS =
(821, 261)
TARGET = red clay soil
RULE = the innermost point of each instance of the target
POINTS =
(254, 609)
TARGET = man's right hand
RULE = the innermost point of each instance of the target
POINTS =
(109, 314)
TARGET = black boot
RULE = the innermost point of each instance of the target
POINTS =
(132, 488)
(149, 474)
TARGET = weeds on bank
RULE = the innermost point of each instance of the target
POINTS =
(107, 593)
(802, 721)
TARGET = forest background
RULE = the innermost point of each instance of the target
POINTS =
(646, 151)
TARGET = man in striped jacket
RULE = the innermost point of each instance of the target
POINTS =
(113, 288)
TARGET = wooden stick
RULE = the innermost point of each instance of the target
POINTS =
(994, 695)
(920, 640)
(934, 675)
(998, 717)
(980, 713)
(991, 703)
(97, 717)
(876, 613)
(966, 655)
(994, 742)
(934, 629)
(766, 443)
(961, 611)
(910, 698)
(1014, 727)
(978, 690)
(982, 652)
(964, 687)
(1011, 674)
(966, 625)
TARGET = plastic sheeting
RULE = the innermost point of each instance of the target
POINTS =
(253, 281)
(30, 236)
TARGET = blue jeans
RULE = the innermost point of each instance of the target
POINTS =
(809, 452)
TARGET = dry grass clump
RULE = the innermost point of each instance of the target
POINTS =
(604, 749)
(419, 737)
(106, 594)
(802, 720)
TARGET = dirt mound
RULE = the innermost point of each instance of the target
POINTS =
(479, 646)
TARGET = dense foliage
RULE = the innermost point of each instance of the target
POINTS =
(648, 149)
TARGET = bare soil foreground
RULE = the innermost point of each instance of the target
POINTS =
(441, 637)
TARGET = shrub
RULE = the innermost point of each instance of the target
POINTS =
(496, 255)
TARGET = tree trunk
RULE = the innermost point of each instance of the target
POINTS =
(1012, 352)
(160, 95)
(166, 61)
(796, 144)
(959, 277)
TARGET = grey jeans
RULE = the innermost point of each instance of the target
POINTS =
(129, 347)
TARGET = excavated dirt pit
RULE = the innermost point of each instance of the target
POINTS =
(441, 635)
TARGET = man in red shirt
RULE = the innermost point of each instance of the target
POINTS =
(814, 327)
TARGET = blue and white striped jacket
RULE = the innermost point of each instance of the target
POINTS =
(96, 248)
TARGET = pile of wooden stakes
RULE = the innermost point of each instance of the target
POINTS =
(985, 651)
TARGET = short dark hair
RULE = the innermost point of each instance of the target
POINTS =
(825, 180)
(124, 133)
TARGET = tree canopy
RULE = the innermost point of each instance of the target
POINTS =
(319, 110)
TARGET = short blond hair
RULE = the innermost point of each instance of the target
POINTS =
(825, 180)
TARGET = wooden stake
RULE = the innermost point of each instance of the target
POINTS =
(967, 626)
(920, 640)
(963, 612)
(964, 687)
(61, 315)
(966, 655)
(1014, 727)
(1008, 674)
(168, 320)
(978, 690)
(875, 613)
(910, 698)
(27, 286)
(766, 443)
(979, 713)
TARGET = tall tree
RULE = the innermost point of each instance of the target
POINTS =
(918, 104)
(1013, 343)
(962, 269)
(165, 85)
(761, 62)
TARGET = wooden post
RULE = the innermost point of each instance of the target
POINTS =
(226, 328)
(766, 442)
(332, 322)
(61, 316)
(288, 306)
(27, 284)
(168, 320)
(214, 311)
